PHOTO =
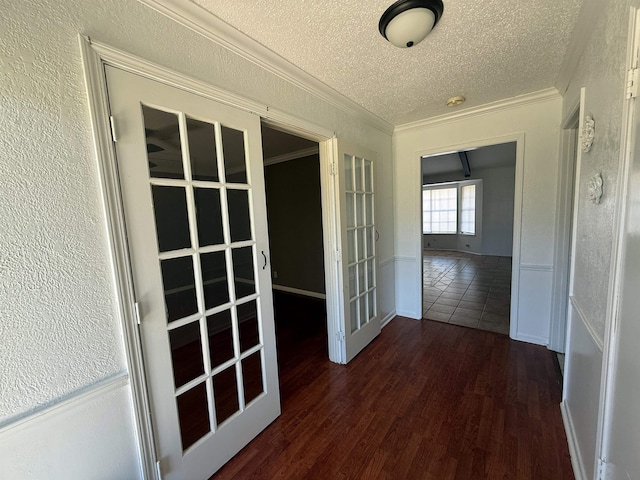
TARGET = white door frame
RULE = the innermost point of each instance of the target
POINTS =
(95, 56)
(569, 165)
(518, 138)
(330, 227)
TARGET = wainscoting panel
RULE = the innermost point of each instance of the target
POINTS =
(581, 392)
(408, 287)
(91, 435)
(533, 305)
(387, 290)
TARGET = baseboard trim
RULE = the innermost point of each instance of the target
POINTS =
(532, 339)
(430, 249)
(387, 319)
(83, 395)
(408, 314)
(574, 451)
(298, 291)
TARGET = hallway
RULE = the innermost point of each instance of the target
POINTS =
(426, 400)
(466, 289)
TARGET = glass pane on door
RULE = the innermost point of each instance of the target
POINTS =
(164, 151)
(172, 218)
(360, 240)
(179, 287)
(206, 252)
(209, 216)
(202, 150)
(186, 353)
(193, 413)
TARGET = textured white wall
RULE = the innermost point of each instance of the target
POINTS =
(540, 124)
(58, 319)
(601, 71)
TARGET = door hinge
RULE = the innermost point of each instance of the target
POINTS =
(112, 122)
(333, 169)
(633, 78)
(341, 337)
(337, 257)
(602, 469)
(136, 307)
(158, 470)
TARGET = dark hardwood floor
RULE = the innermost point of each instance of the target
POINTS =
(426, 400)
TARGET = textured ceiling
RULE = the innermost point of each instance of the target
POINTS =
(486, 50)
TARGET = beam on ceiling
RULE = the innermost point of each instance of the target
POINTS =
(465, 164)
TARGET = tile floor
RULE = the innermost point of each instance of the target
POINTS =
(466, 289)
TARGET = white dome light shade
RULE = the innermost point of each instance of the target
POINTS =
(410, 27)
(407, 22)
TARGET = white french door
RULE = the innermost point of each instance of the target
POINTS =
(358, 240)
(192, 183)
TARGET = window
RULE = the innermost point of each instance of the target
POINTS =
(446, 206)
(468, 209)
(439, 210)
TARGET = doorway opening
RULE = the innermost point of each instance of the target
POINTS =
(294, 214)
(468, 200)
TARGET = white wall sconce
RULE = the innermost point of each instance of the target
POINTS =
(594, 188)
(588, 133)
(407, 22)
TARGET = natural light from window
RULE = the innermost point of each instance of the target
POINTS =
(439, 210)
(468, 210)
(449, 208)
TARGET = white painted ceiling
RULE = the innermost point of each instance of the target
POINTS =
(486, 50)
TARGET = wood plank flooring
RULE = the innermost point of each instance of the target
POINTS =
(426, 400)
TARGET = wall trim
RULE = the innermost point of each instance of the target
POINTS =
(568, 159)
(134, 64)
(405, 259)
(572, 439)
(387, 319)
(536, 267)
(203, 22)
(83, 395)
(285, 157)
(409, 314)
(587, 324)
(298, 291)
(94, 58)
(531, 339)
(429, 249)
(385, 262)
(589, 14)
(506, 104)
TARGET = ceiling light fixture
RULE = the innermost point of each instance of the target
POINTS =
(407, 22)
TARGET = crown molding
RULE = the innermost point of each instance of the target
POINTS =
(285, 157)
(589, 14)
(514, 102)
(211, 27)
